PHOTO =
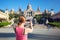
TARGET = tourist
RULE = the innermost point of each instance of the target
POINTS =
(34, 21)
(21, 31)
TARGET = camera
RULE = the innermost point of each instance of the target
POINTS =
(27, 24)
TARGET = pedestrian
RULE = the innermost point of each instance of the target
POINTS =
(34, 21)
(21, 31)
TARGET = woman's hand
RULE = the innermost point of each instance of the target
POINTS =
(30, 23)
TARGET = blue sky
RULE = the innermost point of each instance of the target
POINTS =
(43, 4)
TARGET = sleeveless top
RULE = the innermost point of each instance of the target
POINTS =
(19, 34)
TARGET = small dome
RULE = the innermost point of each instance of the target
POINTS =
(19, 9)
(6, 9)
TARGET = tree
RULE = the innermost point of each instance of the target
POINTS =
(38, 17)
(16, 15)
(11, 16)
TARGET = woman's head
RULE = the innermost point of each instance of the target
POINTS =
(22, 19)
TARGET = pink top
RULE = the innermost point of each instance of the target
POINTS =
(19, 34)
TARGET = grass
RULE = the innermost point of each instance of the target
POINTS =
(5, 23)
(57, 24)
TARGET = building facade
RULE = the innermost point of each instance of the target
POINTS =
(4, 16)
(28, 13)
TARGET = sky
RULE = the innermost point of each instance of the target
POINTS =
(43, 4)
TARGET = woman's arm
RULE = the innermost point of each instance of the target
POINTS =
(30, 29)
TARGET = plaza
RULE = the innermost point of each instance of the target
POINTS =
(40, 32)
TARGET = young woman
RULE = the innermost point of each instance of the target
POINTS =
(21, 31)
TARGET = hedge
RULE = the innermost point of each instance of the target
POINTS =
(57, 24)
(5, 23)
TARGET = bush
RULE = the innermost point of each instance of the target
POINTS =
(57, 24)
(2, 24)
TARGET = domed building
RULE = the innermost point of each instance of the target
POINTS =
(29, 13)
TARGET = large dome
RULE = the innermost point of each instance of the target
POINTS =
(29, 6)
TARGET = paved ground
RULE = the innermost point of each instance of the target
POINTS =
(40, 33)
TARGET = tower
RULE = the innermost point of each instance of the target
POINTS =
(7, 14)
(12, 11)
(52, 12)
(38, 9)
(46, 11)
(38, 12)
(6, 11)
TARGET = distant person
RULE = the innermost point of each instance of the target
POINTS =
(21, 31)
(47, 21)
(34, 21)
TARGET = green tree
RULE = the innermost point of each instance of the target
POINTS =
(38, 17)
(11, 16)
(16, 15)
